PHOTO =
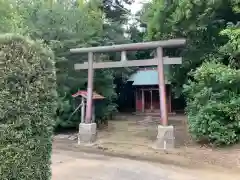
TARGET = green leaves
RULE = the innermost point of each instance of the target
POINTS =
(200, 22)
(213, 106)
(9, 19)
(231, 49)
(27, 108)
(212, 90)
(66, 25)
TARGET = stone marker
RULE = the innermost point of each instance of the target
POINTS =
(165, 137)
(87, 133)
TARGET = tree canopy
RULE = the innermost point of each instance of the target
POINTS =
(205, 24)
(68, 24)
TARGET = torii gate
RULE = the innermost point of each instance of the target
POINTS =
(159, 60)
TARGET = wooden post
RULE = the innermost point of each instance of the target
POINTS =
(90, 88)
(170, 99)
(83, 110)
(151, 100)
(93, 112)
(162, 88)
(123, 56)
(136, 100)
(143, 101)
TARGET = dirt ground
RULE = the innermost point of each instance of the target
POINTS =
(135, 135)
(75, 165)
(138, 133)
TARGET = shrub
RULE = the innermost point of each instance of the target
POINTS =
(27, 108)
(213, 104)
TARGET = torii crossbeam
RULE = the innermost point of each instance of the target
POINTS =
(159, 60)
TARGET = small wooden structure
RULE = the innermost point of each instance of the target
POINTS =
(147, 99)
(84, 95)
(146, 90)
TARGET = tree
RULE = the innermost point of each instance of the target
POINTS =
(27, 108)
(64, 25)
(68, 24)
(115, 10)
(200, 22)
(209, 72)
(10, 21)
(230, 52)
(213, 104)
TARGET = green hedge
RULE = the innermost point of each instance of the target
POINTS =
(27, 108)
(213, 104)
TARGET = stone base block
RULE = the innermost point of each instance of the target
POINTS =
(87, 133)
(165, 137)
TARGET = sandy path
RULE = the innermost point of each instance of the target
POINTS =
(82, 166)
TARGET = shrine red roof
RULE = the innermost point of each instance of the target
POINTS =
(84, 95)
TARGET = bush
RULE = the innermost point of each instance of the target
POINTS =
(213, 104)
(27, 108)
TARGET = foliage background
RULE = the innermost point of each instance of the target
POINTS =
(212, 30)
(68, 24)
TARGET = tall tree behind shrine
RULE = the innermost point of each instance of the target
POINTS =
(202, 23)
(64, 25)
(115, 9)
